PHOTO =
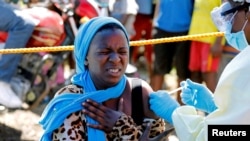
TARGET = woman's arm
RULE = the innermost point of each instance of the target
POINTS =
(118, 125)
(73, 128)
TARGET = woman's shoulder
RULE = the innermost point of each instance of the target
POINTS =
(74, 89)
(130, 79)
(144, 84)
(146, 89)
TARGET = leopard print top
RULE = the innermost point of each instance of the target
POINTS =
(74, 126)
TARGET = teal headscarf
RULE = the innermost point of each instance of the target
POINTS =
(63, 105)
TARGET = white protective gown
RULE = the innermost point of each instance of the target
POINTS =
(232, 97)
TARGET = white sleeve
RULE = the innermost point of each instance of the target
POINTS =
(189, 125)
(231, 96)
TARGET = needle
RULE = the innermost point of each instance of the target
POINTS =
(175, 90)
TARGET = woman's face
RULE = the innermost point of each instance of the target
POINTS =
(108, 57)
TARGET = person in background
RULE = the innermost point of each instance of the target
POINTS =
(229, 104)
(91, 108)
(19, 27)
(143, 30)
(125, 11)
(204, 58)
(172, 18)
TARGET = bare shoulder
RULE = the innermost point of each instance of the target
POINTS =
(146, 90)
(145, 85)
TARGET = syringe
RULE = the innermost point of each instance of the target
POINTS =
(174, 91)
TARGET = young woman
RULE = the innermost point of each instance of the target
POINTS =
(102, 103)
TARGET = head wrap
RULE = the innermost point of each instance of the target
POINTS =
(63, 105)
(85, 35)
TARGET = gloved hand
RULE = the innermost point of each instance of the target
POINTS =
(197, 95)
(163, 105)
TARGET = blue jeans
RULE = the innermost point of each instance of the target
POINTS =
(19, 30)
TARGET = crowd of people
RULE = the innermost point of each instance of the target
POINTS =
(152, 20)
(94, 104)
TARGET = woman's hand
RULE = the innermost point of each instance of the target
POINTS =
(105, 116)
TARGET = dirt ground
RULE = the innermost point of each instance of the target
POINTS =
(22, 125)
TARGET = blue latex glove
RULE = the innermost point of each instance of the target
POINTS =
(197, 95)
(163, 105)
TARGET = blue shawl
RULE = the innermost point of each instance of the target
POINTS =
(62, 105)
